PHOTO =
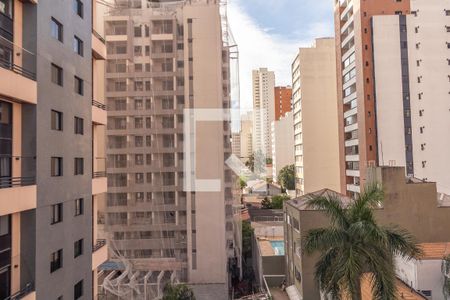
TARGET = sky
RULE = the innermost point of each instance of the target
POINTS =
(269, 33)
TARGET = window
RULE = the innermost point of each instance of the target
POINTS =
(79, 125)
(6, 8)
(56, 29)
(56, 120)
(78, 290)
(79, 206)
(56, 260)
(79, 166)
(57, 213)
(79, 88)
(78, 45)
(57, 75)
(78, 248)
(56, 166)
(78, 7)
(447, 12)
(137, 31)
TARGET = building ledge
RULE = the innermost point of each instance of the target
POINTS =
(98, 46)
(98, 113)
(11, 80)
(99, 185)
(17, 198)
(99, 254)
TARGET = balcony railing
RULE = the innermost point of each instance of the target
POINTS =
(97, 35)
(29, 288)
(8, 182)
(98, 104)
(99, 167)
(99, 244)
(27, 166)
(18, 60)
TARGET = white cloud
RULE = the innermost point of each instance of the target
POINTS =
(259, 48)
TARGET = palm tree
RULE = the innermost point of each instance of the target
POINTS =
(354, 244)
(178, 292)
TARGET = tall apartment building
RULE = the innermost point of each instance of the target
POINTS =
(282, 101)
(282, 144)
(355, 81)
(236, 144)
(316, 129)
(263, 110)
(246, 136)
(49, 179)
(411, 60)
(163, 59)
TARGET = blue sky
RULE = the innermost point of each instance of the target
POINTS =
(269, 33)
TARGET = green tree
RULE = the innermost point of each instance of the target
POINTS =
(445, 272)
(278, 200)
(178, 292)
(247, 232)
(250, 163)
(286, 177)
(266, 203)
(354, 244)
(242, 183)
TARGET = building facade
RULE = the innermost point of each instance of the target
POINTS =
(246, 136)
(316, 129)
(282, 101)
(355, 81)
(263, 110)
(282, 144)
(411, 62)
(50, 179)
(163, 60)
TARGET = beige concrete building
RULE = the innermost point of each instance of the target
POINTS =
(165, 58)
(236, 144)
(246, 136)
(282, 144)
(411, 63)
(263, 110)
(316, 128)
(410, 204)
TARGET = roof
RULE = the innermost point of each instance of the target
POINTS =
(435, 250)
(301, 202)
(404, 291)
(258, 214)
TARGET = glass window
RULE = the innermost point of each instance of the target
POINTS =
(56, 29)
(57, 120)
(79, 125)
(79, 206)
(57, 75)
(56, 260)
(57, 213)
(78, 45)
(56, 166)
(4, 225)
(78, 290)
(6, 7)
(79, 166)
(79, 85)
(78, 7)
(78, 248)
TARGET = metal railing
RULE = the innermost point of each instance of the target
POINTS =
(8, 182)
(97, 35)
(98, 104)
(29, 288)
(18, 60)
(99, 244)
(99, 167)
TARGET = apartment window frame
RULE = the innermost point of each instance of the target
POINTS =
(78, 125)
(78, 290)
(78, 8)
(56, 166)
(57, 29)
(57, 213)
(78, 85)
(78, 167)
(56, 260)
(56, 120)
(78, 247)
(78, 46)
(57, 74)
(79, 207)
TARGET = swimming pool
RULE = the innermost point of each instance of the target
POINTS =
(278, 247)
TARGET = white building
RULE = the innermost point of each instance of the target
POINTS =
(282, 144)
(263, 110)
(411, 57)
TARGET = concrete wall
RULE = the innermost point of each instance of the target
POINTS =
(52, 190)
(282, 144)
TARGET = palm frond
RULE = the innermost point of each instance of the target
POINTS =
(322, 239)
(402, 243)
(332, 207)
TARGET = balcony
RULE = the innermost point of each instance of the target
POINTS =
(98, 46)
(99, 181)
(99, 253)
(26, 293)
(98, 112)
(17, 69)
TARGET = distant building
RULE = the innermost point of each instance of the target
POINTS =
(246, 138)
(282, 144)
(403, 198)
(282, 101)
(236, 144)
(316, 126)
(263, 110)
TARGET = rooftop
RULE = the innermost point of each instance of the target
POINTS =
(435, 250)
(301, 202)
